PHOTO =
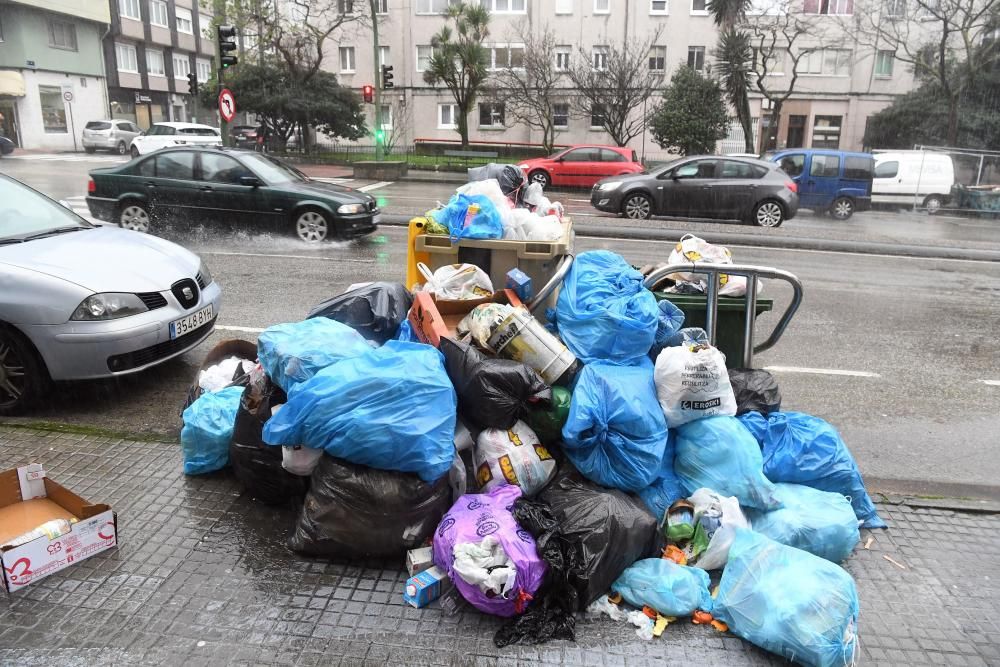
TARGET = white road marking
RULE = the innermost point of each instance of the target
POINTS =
(221, 327)
(55, 157)
(820, 371)
(352, 260)
(374, 186)
(991, 383)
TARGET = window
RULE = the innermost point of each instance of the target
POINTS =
(895, 8)
(825, 166)
(564, 6)
(434, 6)
(125, 55)
(770, 61)
(424, 54)
(696, 169)
(97, 125)
(696, 58)
(345, 6)
(490, 114)
(658, 58)
(381, 6)
(839, 7)
(600, 58)
(887, 169)
(146, 167)
(129, 9)
(828, 62)
(383, 55)
(386, 116)
(62, 35)
(793, 164)
(347, 59)
(597, 114)
(447, 116)
(657, 6)
(859, 168)
(608, 155)
(182, 66)
(177, 164)
(154, 63)
(560, 115)
(734, 169)
(158, 13)
(883, 63)
(563, 55)
(205, 24)
(53, 109)
(204, 70)
(505, 6)
(1, 29)
(602, 6)
(582, 155)
(507, 55)
(183, 19)
(699, 8)
(222, 169)
(826, 132)
(198, 131)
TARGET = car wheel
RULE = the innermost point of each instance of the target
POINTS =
(22, 374)
(134, 216)
(637, 206)
(540, 177)
(842, 208)
(135, 151)
(122, 148)
(768, 213)
(89, 149)
(311, 226)
(933, 203)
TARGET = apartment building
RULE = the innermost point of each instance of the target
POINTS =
(51, 71)
(151, 48)
(836, 91)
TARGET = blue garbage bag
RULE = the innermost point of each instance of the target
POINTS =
(604, 313)
(819, 522)
(615, 434)
(789, 602)
(208, 428)
(671, 319)
(391, 408)
(718, 453)
(666, 489)
(802, 449)
(485, 225)
(406, 333)
(665, 586)
(293, 352)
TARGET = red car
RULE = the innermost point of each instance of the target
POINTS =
(582, 166)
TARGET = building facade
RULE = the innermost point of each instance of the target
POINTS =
(151, 48)
(51, 70)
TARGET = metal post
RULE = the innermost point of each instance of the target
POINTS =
(712, 314)
(379, 152)
(979, 174)
(72, 128)
(751, 317)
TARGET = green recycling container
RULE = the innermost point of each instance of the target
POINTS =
(729, 328)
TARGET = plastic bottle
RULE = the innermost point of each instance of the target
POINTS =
(50, 529)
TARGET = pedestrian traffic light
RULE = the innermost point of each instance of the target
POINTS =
(192, 83)
(368, 93)
(227, 46)
(387, 77)
(379, 136)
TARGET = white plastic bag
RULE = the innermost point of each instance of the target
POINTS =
(220, 375)
(694, 249)
(543, 228)
(300, 460)
(457, 281)
(731, 517)
(533, 194)
(486, 565)
(692, 383)
(512, 456)
(490, 189)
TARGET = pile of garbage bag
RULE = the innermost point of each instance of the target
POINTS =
(619, 482)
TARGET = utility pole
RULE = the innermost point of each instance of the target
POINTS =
(379, 148)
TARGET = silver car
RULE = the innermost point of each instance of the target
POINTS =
(79, 301)
(109, 135)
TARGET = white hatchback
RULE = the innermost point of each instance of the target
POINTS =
(163, 135)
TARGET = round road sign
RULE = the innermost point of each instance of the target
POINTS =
(68, 95)
(227, 105)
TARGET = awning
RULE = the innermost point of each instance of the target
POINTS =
(11, 83)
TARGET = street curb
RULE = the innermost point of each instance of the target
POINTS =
(756, 241)
(435, 177)
(969, 505)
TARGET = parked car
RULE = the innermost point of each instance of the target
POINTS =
(237, 185)
(831, 181)
(244, 136)
(83, 301)
(745, 189)
(114, 135)
(909, 177)
(164, 135)
(582, 166)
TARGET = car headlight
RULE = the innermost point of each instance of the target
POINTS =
(206, 275)
(522, 166)
(610, 185)
(108, 306)
(347, 209)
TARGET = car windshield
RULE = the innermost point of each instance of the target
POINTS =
(274, 172)
(26, 213)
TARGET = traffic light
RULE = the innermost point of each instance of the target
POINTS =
(379, 136)
(227, 46)
(368, 93)
(387, 77)
(192, 83)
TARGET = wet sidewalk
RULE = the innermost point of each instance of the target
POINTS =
(202, 577)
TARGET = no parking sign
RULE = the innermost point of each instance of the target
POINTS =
(227, 105)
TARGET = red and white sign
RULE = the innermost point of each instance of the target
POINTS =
(227, 105)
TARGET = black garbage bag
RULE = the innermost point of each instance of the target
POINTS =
(492, 393)
(375, 311)
(353, 511)
(510, 177)
(755, 390)
(256, 464)
(609, 530)
(552, 613)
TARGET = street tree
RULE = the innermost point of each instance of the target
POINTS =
(400, 117)
(693, 114)
(459, 60)
(528, 88)
(613, 84)
(733, 60)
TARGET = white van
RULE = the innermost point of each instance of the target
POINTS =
(905, 177)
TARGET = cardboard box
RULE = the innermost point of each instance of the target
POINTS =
(29, 499)
(423, 588)
(418, 560)
(433, 319)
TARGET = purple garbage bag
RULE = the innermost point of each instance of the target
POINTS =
(473, 519)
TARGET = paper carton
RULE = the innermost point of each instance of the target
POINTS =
(418, 560)
(424, 587)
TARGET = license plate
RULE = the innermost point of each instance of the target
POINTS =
(377, 218)
(189, 323)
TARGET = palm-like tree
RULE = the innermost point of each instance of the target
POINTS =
(733, 60)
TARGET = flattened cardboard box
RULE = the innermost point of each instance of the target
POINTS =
(29, 499)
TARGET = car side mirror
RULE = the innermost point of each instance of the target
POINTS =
(251, 181)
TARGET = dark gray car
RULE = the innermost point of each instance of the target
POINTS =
(707, 186)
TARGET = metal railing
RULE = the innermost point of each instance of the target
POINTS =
(543, 294)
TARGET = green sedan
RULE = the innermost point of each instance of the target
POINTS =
(231, 185)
